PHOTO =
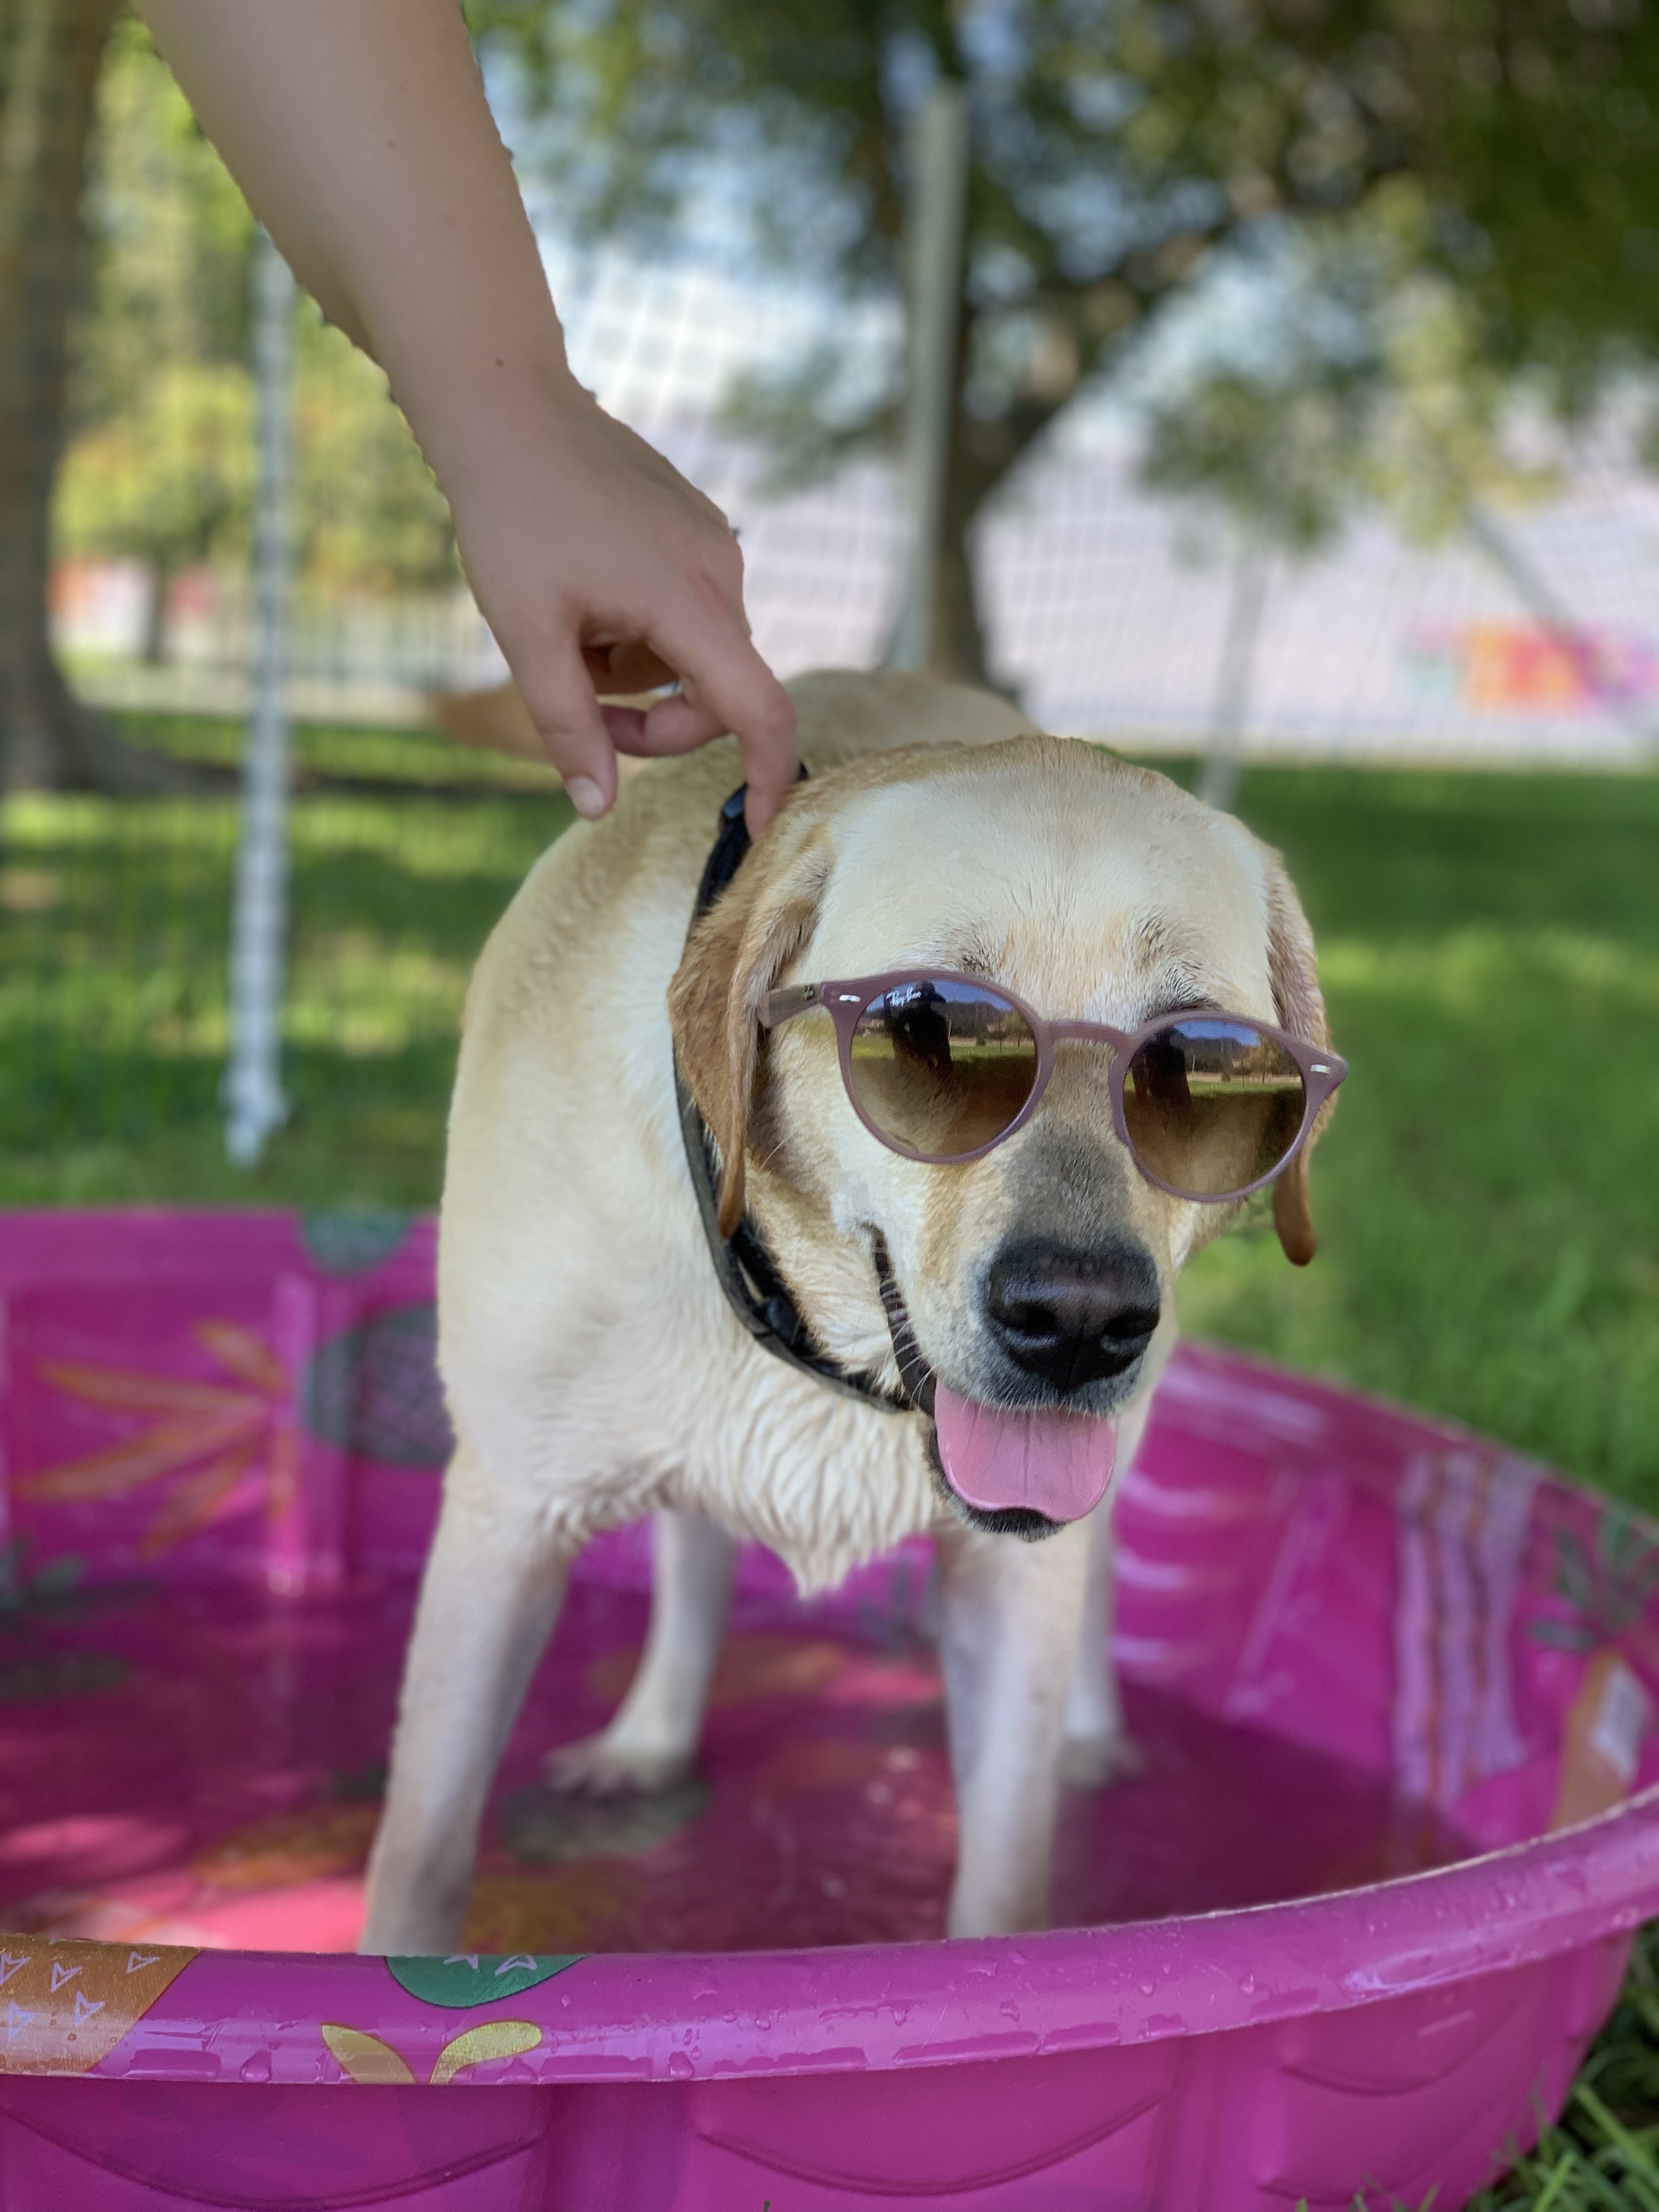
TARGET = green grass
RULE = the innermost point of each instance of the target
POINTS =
(401, 759)
(1487, 1196)
(113, 1023)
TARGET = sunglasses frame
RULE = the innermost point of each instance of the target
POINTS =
(846, 1002)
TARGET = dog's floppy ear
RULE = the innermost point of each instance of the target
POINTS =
(734, 957)
(1300, 1007)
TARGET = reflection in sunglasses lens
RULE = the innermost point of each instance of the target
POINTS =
(1211, 1106)
(941, 1069)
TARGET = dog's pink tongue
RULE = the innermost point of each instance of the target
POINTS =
(1055, 1464)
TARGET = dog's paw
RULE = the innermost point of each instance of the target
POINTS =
(1091, 1762)
(596, 1767)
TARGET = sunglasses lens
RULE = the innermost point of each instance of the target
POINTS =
(1211, 1106)
(939, 1069)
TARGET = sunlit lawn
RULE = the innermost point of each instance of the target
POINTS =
(1488, 1196)
(1489, 1193)
(407, 759)
(113, 1027)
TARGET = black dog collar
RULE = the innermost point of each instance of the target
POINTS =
(744, 1268)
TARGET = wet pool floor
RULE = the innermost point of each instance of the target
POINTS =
(202, 1766)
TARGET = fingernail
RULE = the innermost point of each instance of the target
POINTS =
(585, 795)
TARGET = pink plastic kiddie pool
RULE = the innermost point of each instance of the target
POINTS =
(1349, 1929)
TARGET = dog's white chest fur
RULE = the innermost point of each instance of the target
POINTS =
(824, 1482)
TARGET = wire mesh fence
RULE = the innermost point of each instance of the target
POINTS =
(1531, 638)
(113, 1010)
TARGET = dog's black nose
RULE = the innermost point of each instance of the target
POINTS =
(1073, 1315)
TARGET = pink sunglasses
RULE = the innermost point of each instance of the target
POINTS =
(941, 1067)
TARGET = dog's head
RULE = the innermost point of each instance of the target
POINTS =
(1027, 1285)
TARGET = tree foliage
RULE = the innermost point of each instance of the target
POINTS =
(166, 480)
(1376, 388)
(161, 465)
(169, 239)
(369, 514)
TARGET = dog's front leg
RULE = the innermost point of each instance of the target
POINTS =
(1099, 1748)
(653, 1738)
(1098, 1745)
(492, 1592)
(1011, 1615)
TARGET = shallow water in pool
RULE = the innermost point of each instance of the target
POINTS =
(203, 1765)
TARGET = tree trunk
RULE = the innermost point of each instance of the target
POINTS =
(49, 51)
(982, 456)
(155, 648)
(954, 646)
(955, 629)
(957, 639)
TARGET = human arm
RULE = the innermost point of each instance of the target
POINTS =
(360, 133)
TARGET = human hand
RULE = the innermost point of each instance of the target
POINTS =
(362, 136)
(601, 570)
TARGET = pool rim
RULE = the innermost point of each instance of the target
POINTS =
(678, 2015)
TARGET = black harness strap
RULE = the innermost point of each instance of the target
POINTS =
(744, 1268)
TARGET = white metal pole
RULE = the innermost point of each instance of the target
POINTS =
(1218, 783)
(254, 1103)
(935, 225)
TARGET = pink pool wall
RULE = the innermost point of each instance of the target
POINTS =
(213, 1396)
(194, 1399)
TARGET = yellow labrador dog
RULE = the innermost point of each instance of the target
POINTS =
(982, 1041)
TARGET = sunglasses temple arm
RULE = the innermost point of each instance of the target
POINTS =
(788, 999)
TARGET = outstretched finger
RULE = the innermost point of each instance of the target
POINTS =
(732, 685)
(559, 693)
